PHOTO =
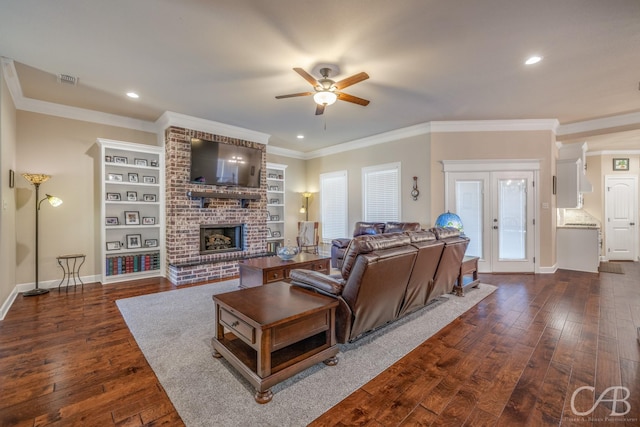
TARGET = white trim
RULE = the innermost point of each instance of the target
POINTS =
(605, 152)
(490, 165)
(494, 125)
(169, 118)
(599, 124)
(276, 166)
(6, 305)
(285, 152)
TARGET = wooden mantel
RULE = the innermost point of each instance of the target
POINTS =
(243, 197)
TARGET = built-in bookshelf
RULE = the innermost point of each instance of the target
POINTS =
(275, 205)
(132, 210)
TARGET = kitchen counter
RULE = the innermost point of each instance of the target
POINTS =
(578, 248)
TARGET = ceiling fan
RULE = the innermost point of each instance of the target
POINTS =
(328, 91)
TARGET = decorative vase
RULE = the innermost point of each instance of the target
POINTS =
(287, 252)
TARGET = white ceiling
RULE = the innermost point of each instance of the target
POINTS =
(428, 60)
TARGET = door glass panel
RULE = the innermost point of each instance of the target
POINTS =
(469, 209)
(512, 219)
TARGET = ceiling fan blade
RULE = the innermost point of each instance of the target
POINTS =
(356, 78)
(351, 98)
(291, 95)
(319, 109)
(308, 77)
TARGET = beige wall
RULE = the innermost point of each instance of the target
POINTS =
(413, 153)
(64, 149)
(7, 195)
(538, 145)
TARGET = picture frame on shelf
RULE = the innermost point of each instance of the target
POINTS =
(132, 218)
(115, 177)
(120, 159)
(274, 201)
(274, 188)
(132, 196)
(148, 220)
(272, 176)
(621, 164)
(276, 234)
(280, 177)
(149, 179)
(151, 243)
(154, 163)
(113, 197)
(140, 162)
(133, 177)
(111, 220)
(134, 241)
(113, 246)
(275, 217)
(268, 216)
(149, 198)
(269, 233)
(108, 159)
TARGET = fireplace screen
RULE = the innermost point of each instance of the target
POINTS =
(221, 238)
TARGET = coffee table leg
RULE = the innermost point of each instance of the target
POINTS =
(263, 397)
(332, 361)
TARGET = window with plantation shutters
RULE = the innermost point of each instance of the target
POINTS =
(333, 205)
(381, 193)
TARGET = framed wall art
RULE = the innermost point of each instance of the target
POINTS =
(621, 164)
(132, 218)
(134, 241)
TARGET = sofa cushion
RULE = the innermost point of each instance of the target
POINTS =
(369, 243)
(362, 228)
(421, 236)
(445, 232)
(397, 227)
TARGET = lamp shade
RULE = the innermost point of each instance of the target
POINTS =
(325, 97)
(449, 219)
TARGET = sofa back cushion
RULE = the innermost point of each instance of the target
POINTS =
(368, 243)
(363, 228)
(398, 227)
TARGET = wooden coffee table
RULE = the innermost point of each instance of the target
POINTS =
(258, 271)
(273, 332)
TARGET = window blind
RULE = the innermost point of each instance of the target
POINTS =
(333, 205)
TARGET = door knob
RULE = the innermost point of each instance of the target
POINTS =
(495, 227)
(632, 223)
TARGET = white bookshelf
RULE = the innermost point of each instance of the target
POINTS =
(275, 205)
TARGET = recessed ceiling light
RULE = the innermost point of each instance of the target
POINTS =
(533, 60)
(300, 136)
(133, 95)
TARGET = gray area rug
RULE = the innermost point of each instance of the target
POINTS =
(174, 331)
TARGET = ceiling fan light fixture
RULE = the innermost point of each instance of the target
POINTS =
(325, 97)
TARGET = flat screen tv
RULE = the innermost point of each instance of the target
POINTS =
(217, 163)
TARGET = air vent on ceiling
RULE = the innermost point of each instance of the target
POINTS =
(65, 78)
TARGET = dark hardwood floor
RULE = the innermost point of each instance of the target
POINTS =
(514, 359)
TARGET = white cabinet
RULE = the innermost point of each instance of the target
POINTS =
(568, 192)
(132, 210)
(578, 249)
(275, 205)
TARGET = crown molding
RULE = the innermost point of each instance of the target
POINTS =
(599, 124)
(294, 154)
(494, 125)
(170, 118)
(613, 152)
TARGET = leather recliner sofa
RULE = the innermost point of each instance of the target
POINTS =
(387, 276)
(339, 246)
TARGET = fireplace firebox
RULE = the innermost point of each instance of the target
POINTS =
(216, 238)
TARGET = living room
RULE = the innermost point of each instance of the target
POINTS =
(39, 136)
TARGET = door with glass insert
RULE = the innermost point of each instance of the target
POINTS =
(497, 211)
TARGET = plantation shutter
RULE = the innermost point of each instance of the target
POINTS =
(333, 205)
(381, 188)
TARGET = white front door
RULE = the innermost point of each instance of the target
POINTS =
(621, 213)
(497, 212)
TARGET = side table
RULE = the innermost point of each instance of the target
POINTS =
(469, 265)
(70, 265)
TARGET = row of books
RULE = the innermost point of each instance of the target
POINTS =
(133, 263)
(273, 246)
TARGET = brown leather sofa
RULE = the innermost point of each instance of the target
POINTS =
(387, 276)
(339, 246)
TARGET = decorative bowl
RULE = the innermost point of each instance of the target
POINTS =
(287, 252)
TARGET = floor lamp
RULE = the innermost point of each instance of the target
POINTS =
(36, 179)
(305, 207)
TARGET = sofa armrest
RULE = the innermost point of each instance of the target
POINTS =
(342, 242)
(314, 279)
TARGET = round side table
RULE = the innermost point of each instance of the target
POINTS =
(70, 265)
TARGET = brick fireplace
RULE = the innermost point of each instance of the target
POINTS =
(186, 261)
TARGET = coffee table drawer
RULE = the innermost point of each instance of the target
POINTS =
(239, 327)
(275, 275)
(320, 266)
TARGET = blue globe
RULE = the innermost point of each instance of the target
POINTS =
(449, 219)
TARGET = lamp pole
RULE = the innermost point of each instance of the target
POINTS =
(37, 290)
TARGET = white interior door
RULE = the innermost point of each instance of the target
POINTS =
(621, 213)
(497, 212)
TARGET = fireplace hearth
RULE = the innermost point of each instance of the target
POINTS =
(217, 238)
